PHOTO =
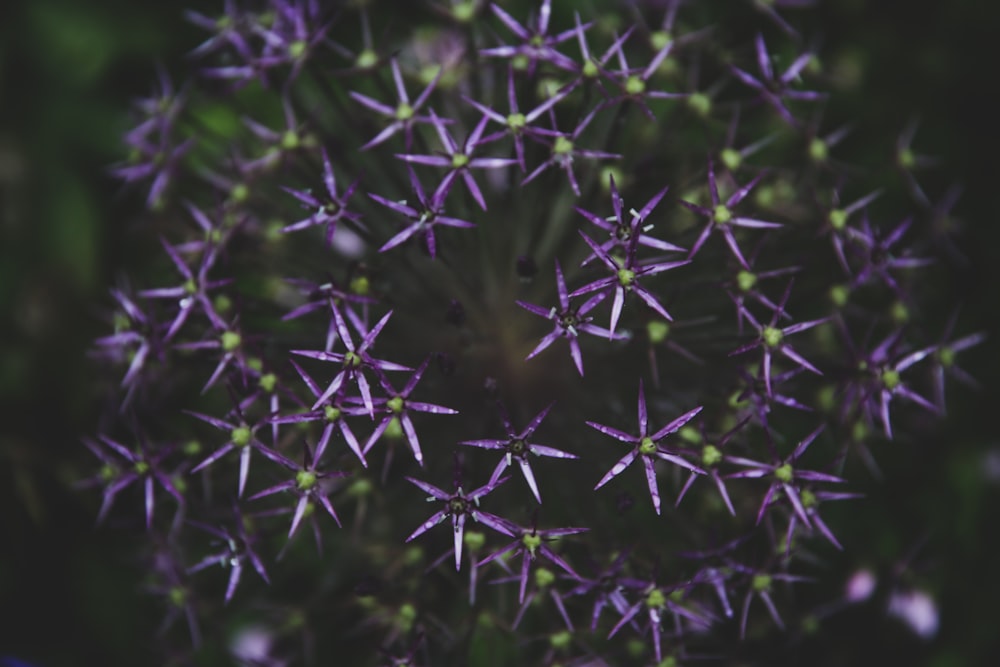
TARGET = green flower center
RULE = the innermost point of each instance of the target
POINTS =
(366, 59)
(761, 582)
(290, 140)
(731, 158)
(818, 150)
(518, 446)
(190, 286)
(784, 473)
(562, 146)
(660, 39)
(646, 446)
(230, 341)
(177, 596)
(771, 336)
(838, 219)
(531, 543)
(458, 505)
(464, 12)
(746, 280)
(360, 285)
(331, 413)
(141, 468)
(700, 103)
(890, 379)
(395, 404)
(351, 360)
(590, 70)
(946, 357)
(517, 122)
(635, 86)
(839, 294)
(305, 480)
(544, 578)
(268, 382)
(711, 456)
(240, 436)
(561, 640)
(655, 599)
(626, 277)
(459, 161)
(297, 49)
(657, 330)
(240, 193)
(721, 214)
(907, 160)
(404, 112)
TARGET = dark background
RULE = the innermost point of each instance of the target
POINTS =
(68, 70)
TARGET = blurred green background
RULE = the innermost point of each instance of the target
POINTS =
(68, 70)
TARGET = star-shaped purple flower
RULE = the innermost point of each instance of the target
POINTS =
(648, 447)
(459, 506)
(569, 322)
(516, 446)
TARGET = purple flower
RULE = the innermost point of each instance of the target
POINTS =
(516, 446)
(193, 292)
(709, 459)
(784, 476)
(771, 339)
(279, 144)
(459, 506)
(336, 299)
(459, 160)
(144, 465)
(404, 116)
(293, 37)
(943, 358)
(332, 413)
(810, 503)
(721, 217)
(229, 341)
(328, 210)
(397, 407)
(530, 543)
(880, 379)
(633, 82)
(230, 30)
(517, 124)
(309, 484)
(624, 279)
(605, 588)
(569, 322)
(564, 150)
(237, 548)
(761, 582)
(423, 218)
(133, 340)
(656, 600)
(536, 44)
(648, 447)
(353, 362)
(621, 229)
(241, 436)
(878, 258)
(157, 159)
(775, 88)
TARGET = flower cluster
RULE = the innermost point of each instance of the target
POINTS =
(338, 235)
